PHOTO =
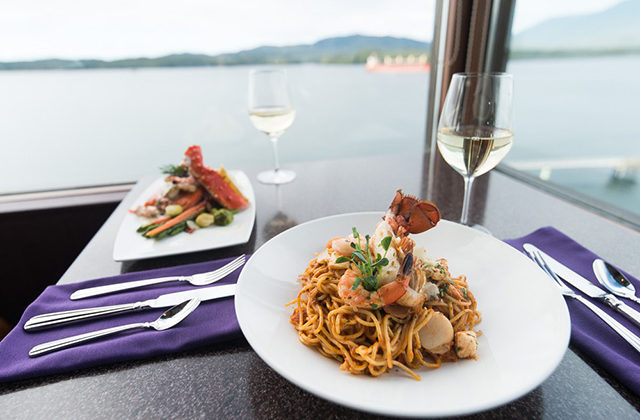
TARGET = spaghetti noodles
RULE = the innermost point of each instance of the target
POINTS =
(368, 340)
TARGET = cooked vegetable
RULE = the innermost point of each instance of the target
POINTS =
(191, 226)
(222, 217)
(191, 188)
(173, 210)
(146, 228)
(188, 213)
(160, 220)
(204, 219)
(175, 170)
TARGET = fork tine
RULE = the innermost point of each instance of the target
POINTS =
(240, 258)
(226, 269)
(233, 263)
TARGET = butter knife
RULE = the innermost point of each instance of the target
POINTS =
(162, 301)
(586, 287)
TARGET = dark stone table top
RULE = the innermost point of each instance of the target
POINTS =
(230, 380)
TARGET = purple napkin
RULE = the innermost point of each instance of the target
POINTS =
(212, 322)
(588, 332)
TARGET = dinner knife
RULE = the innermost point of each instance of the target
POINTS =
(586, 287)
(162, 301)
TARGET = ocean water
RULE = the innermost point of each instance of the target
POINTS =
(61, 129)
(575, 108)
(93, 127)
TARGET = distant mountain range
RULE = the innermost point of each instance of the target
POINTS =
(348, 49)
(615, 30)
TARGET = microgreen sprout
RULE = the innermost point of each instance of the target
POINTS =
(367, 263)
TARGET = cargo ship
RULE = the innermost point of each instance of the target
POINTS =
(398, 64)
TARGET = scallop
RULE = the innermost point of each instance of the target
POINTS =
(437, 335)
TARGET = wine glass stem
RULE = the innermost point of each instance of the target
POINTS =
(274, 143)
(468, 183)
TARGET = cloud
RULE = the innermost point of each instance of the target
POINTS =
(110, 29)
(116, 28)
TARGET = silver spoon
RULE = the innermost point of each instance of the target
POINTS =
(167, 320)
(616, 282)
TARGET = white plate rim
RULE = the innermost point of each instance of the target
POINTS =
(122, 252)
(563, 324)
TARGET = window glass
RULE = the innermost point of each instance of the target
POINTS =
(576, 67)
(81, 103)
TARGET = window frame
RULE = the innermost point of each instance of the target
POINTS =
(474, 37)
(469, 35)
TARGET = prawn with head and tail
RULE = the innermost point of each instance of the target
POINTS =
(377, 301)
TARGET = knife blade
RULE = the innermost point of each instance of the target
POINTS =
(586, 287)
(162, 301)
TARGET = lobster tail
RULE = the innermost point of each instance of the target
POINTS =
(414, 215)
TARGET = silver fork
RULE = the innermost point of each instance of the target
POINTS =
(200, 279)
(629, 337)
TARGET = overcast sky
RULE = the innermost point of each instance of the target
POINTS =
(109, 29)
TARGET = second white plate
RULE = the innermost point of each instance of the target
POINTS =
(130, 245)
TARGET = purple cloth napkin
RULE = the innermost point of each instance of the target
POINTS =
(213, 321)
(588, 332)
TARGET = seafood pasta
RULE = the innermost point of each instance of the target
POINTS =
(194, 196)
(375, 302)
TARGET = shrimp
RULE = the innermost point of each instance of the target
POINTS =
(343, 245)
(386, 295)
(405, 215)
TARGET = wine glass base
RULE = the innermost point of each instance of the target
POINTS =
(281, 176)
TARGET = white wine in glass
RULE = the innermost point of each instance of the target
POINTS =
(475, 128)
(271, 111)
(474, 150)
(272, 120)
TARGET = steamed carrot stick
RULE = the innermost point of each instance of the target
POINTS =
(160, 220)
(179, 218)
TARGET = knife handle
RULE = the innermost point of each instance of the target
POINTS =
(629, 337)
(57, 318)
(111, 288)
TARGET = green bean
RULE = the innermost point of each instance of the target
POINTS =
(160, 235)
(146, 228)
(177, 228)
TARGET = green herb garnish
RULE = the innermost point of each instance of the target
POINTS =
(174, 170)
(367, 263)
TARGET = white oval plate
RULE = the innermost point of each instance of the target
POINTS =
(130, 245)
(525, 323)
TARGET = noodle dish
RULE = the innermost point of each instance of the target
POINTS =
(377, 301)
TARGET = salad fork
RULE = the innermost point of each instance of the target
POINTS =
(200, 279)
(629, 337)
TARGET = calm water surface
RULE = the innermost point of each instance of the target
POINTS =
(62, 129)
(107, 126)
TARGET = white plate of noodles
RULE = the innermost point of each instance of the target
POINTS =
(525, 323)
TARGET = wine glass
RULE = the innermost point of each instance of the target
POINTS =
(271, 112)
(475, 128)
